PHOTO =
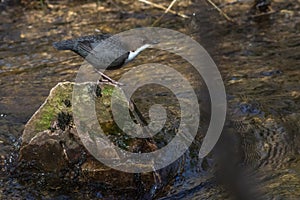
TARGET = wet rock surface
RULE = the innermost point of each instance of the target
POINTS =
(52, 148)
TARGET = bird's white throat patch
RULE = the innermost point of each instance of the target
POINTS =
(133, 54)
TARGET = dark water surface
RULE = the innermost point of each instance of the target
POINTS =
(259, 59)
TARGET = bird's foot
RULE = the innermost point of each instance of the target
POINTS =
(107, 80)
(110, 82)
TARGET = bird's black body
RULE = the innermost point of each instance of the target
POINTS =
(76, 45)
(104, 51)
(99, 50)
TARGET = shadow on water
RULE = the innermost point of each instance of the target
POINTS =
(258, 59)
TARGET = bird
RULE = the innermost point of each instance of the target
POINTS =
(105, 51)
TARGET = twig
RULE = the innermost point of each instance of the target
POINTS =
(164, 8)
(166, 11)
(170, 6)
(221, 12)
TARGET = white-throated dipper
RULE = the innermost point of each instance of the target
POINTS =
(104, 51)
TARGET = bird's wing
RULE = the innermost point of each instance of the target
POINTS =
(86, 47)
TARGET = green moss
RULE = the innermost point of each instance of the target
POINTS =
(54, 105)
(57, 108)
(44, 122)
(107, 90)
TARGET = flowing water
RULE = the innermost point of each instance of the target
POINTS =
(259, 59)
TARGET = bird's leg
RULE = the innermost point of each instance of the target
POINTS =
(108, 80)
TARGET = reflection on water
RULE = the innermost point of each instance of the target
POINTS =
(259, 62)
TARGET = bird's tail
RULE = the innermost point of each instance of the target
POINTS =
(64, 45)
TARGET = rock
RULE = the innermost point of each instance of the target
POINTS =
(51, 144)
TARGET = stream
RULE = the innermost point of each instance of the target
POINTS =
(257, 156)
